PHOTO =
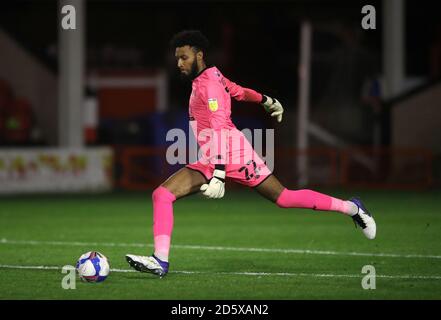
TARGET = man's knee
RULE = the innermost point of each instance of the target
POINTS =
(162, 194)
(281, 200)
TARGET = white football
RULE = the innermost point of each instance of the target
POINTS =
(93, 266)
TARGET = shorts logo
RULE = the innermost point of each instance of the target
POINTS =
(212, 104)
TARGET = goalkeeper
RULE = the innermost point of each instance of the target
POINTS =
(230, 156)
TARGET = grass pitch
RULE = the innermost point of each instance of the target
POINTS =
(241, 247)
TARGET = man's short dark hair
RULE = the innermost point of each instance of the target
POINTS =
(192, 38)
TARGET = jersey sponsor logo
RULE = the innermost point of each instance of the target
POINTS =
(212, 104)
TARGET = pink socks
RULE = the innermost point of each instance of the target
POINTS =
(314, 200)
(163, 211)
(162, 221)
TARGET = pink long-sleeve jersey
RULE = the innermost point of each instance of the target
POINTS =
(210, 107)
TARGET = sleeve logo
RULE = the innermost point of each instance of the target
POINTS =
(212, 104)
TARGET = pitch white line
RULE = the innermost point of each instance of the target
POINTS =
(256, 274)
(218, 248)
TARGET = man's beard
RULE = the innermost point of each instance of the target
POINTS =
(193, 72)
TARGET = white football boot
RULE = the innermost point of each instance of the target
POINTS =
(364, 219)
(150, 264)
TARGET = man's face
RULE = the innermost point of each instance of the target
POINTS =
(186, 61)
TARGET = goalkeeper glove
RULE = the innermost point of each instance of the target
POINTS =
(215, 189)
(272, 106)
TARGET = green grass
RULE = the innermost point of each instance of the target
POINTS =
(409, 223)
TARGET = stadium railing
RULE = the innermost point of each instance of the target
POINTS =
(143, 168)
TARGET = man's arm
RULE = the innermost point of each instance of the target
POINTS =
(240, 93)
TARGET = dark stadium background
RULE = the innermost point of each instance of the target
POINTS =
(253, 43)
(241, 247)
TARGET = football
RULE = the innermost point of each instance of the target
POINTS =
(93, 266)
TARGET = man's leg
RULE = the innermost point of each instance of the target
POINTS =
(184, 182)
(273, 190)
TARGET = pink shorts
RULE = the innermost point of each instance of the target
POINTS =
(251, 172)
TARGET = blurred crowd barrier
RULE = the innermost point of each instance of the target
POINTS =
(143, 168)
(35, 170)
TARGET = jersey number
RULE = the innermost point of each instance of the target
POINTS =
(247, 170)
